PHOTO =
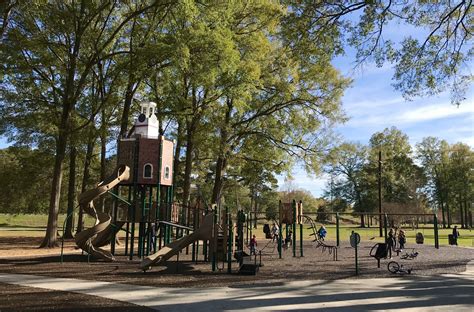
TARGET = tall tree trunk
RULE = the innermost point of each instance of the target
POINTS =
(103, 152)
(448, 211)
(218, 180)
(85, 178)
(179, 143)
(443, 214)
(222, 160)
(190, 132)
(461, 213)
(126, 110)
(50, 239)
(71, 192)
(466, 214)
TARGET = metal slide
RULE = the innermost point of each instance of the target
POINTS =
(88, 240)
(203, 233)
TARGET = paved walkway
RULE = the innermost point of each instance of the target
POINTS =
(410, 293)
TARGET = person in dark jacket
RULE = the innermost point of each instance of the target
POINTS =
(390, 242)
(455, 235)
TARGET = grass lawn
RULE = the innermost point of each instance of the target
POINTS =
(372, 234)
(29, 225)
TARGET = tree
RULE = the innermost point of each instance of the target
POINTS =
(24, 174)
(401, 178)
(50, 52)
(285, 92)
(462, 164)
(430, 155)
(346, 164)
(430, 61)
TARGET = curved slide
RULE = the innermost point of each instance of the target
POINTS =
(88, 240)
(203, 233)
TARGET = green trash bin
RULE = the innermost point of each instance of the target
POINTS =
(419, 238)
(451, 239)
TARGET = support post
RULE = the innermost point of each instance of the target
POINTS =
(301, 240)
(214, 243)
(294, 228)
(280, 231)
(114, 221)
(129, 217)
(280, 241)
(229, 241)
(337, 229)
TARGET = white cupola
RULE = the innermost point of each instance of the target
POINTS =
(147, 124)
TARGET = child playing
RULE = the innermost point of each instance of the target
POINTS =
(252, 245)
(322, 232)
(288, 238)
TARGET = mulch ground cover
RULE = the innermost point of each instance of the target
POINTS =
(21, 255)
(315, 264)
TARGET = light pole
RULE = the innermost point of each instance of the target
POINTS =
(380, 193)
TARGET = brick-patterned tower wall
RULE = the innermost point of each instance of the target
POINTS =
(126, 155)
(167, 163)
(149, 154)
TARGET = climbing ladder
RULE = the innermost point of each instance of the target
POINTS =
(318, 240)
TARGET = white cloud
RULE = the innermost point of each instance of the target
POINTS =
(398, 112)
(371, 104)
(436, 111)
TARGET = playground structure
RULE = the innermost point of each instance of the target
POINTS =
(291, 214)
(91, 239)
(142, 188)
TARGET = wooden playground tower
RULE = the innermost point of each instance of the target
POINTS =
(145, 200)
(149, 190)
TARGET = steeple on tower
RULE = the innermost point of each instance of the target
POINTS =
(147, 124)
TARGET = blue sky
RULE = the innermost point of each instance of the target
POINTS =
(372, 105)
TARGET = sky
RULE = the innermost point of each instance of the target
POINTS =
(372, 104)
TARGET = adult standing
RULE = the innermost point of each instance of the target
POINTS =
(275, 232)
(455, 235)
(391, 242)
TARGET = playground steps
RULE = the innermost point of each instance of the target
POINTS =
(248, 266)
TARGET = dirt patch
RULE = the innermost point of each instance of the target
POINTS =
(19, 298)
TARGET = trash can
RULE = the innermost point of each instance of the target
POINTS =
(419, 238)
(451, 239)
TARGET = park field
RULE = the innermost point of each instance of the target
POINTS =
(34, 225)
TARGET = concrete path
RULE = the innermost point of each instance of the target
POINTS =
(407, 293)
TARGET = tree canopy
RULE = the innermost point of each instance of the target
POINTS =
(247, 90)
